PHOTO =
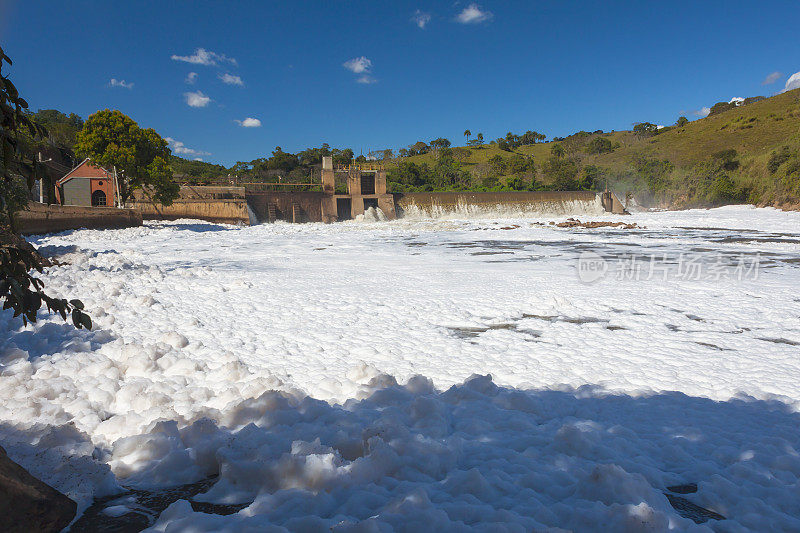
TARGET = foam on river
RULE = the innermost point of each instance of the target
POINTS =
(324, 373)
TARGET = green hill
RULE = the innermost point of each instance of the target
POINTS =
(746, 153)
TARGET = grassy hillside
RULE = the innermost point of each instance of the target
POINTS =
(718, 159)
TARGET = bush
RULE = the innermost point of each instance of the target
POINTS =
(562, 173)
(410, 177)
(727, 159)
(591, 178)
(599, 145)
(724, 190)
(645, 129)
(777, 158)
(655, 172)
(721, 107)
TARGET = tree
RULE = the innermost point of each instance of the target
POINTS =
(112, 139)
(283, 161)
(497, 165)
(681, 122)
(591, 178)
(419, 148)
(599, 145)
(721, 107)
(449, 175)
(20, 291)
(562, 173)
(645, 129)
(480, 140)
(344, 156)
(514, 141)
(557, 151)
(531, 137)
(467, 134)
(439, 143)
(410, 177)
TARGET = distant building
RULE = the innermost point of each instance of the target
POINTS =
(87, 185)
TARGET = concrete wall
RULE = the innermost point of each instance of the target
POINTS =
(40, 218)
(310, 202)
(211, 210)
(224, 205)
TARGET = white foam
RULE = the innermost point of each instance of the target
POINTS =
(217, 348)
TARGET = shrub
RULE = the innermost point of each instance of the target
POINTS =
(562, 173)
(727, 159)
(599, 145)
(721, 107)
(654, 171)
(777, 158)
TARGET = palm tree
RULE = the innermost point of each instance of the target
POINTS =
(467, 134)
(480, 139)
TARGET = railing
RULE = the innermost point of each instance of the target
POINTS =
(262, 186)
(370, 166)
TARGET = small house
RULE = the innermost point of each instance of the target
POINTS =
(87, 185)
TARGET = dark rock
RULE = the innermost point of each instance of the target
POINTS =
(688, 488)
(692, 511)
(28, 504)
(136, 509)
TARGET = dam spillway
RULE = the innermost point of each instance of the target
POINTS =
(504, 204)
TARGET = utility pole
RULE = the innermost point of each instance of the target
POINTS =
(41, 179)
(118, 201)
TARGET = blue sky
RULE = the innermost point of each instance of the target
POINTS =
(370, 75)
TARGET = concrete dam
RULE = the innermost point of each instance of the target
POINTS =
(345, 193)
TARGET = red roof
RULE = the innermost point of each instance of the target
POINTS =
(85, 170)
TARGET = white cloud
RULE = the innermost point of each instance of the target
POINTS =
(201, 56)
(191, 78)
(249, 122)
(230, 79)
(120, 83)
(772, 78)
(179, 148)
(196, 99)
(366, 79)
(473, 14)
(421, 19)
(358, 65)
(793, 82)
(703, 112)
(738, 100)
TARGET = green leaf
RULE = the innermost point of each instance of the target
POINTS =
(77, 304)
